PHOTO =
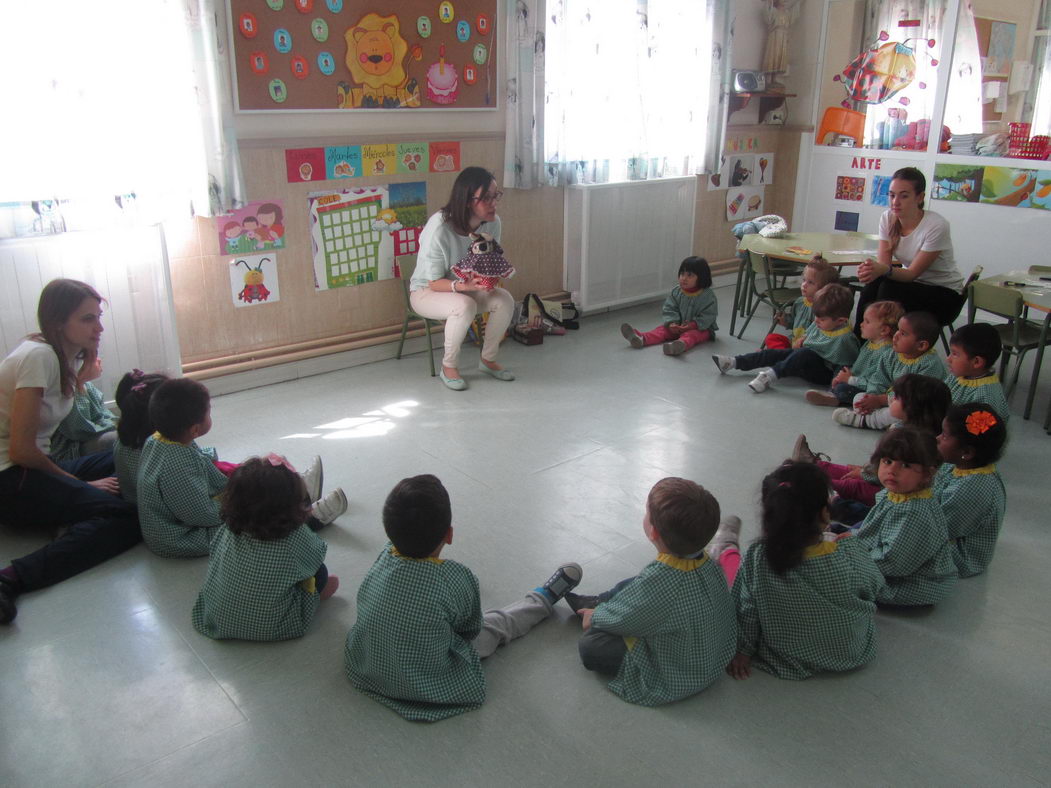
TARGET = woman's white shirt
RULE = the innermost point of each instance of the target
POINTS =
(930, 235)
(31, 365)
(441, 247)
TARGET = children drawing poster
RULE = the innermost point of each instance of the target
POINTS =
(742, 170)
(764, 163)
(850, 188)
(880, 190)
(744, 202)
(355, 55)
(721, 179)
(259, 226)
(253, 280)
(1009, 186)
(962, 183)
(356, 233)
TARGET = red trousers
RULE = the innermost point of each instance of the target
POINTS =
(660, 335)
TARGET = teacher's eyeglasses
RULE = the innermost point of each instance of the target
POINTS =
(494, 197)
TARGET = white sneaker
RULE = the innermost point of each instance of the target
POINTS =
(313, 478)
(848, 417)
(634, 337)
(330, 507)
(728, 535)
(762, 381)
(724, 363)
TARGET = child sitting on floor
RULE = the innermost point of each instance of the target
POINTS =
(689, 312)
(87, 428)
(799, 315)
(420, 632)
(914, 352)
(973, 351)
(878, 325)
(265, 571)
(828, 345)
(669, 632)
(905, 532)
(805, 603)
(178, 482)
(134, 427)
(968, 486)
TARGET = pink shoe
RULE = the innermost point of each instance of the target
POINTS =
(330, 587)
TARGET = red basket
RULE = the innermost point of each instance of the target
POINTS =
(1018, 136)
(1035, 147)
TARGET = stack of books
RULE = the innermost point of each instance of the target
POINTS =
(964, 144)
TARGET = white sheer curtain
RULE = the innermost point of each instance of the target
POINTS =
(963, 102)
(524, 97)
(633, 88)
(1037, 109)
(113, 100)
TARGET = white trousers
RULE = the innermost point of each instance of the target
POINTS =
(458, 310)
(500, 627)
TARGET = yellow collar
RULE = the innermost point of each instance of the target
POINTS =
(837, 333)
(161, 439)
(957, 471)
(974, 383)
(879, 344)
(394, 552)
(894, 497)
(820, 549)
(696, 292)
(910, 361)
(680, 563)
(807, 303)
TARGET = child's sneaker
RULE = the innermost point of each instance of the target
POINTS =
(313, 478)
(630, 334)
(674, 348)
(826, 398)
(580, 601)
(762, 381)
(724, 363)
(330, 587)
(801, 452)
(565, 579)
(728, 535)
(849, 417)
(329, 508)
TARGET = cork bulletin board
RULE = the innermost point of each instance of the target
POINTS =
(310, 55)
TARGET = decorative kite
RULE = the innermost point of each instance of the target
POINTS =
(880, 73)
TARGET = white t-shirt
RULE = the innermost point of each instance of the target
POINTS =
(31, 365)
(930, 235)
(441, 247)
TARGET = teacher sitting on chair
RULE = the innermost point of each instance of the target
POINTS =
(436, 293)
(927, 279)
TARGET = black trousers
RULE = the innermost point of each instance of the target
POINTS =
(943, 303)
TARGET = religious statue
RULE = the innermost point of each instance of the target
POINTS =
(779, 16)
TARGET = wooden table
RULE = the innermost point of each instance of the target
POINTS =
(1038, 297)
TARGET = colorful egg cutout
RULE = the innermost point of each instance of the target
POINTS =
(481, 24)
(282, 41)
(277, 90)
(259, 62)
(446, 11)
(480, 54)
(248, 25)
(470, 74)
(326, 63)
(319, 29)
(463, 30)
(423, 26)
(299, 66)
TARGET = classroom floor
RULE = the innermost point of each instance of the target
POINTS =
(105, 681)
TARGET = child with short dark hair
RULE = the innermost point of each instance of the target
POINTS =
(799, 315)
(915, 352)
(805, 603)
(968, 486)
(420, 632)
(689, 312)
(905, 532)
(265, 571)
(669, 632)
(827, 345)
(878, 325)
(973, 352)
(134, 427)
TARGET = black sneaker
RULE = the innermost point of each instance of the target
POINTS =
(565, 579)
(8, 593)
(580, 601)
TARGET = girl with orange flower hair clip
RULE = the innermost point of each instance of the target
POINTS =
(968, 486)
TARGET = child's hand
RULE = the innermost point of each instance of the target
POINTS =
(585, 614)
(868, 403)
(676, 329)
(90, 368)
(109, 484)
(843, 376)
(780, 318)
(798, 343)
(853, 473)
(740, 666)
(844, 535)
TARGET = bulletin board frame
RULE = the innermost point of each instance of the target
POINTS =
(293, 56)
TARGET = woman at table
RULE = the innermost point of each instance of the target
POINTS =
(927, 279)
(436, 293)
(37, 383)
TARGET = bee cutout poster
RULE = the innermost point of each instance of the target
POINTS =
(253, 280)
(353, 55)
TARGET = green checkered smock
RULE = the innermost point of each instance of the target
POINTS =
(818, 616)
(177, 486)
(88, 419)
(867, 364)
(126, 463)
(410, 648)
(974, 501)
(700, 307)
(907, 537)
(678, 622)
(838, 348)
(259, 589)
(986, 390)
(801, 312)
(894, 365)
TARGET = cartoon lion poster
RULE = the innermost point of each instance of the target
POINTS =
(376, 54)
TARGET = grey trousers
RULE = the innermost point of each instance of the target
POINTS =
(500, 627)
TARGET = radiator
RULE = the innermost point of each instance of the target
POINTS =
(129, 268)
(624, 241)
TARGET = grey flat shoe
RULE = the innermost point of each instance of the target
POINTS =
(456, 384)
(499, 374)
